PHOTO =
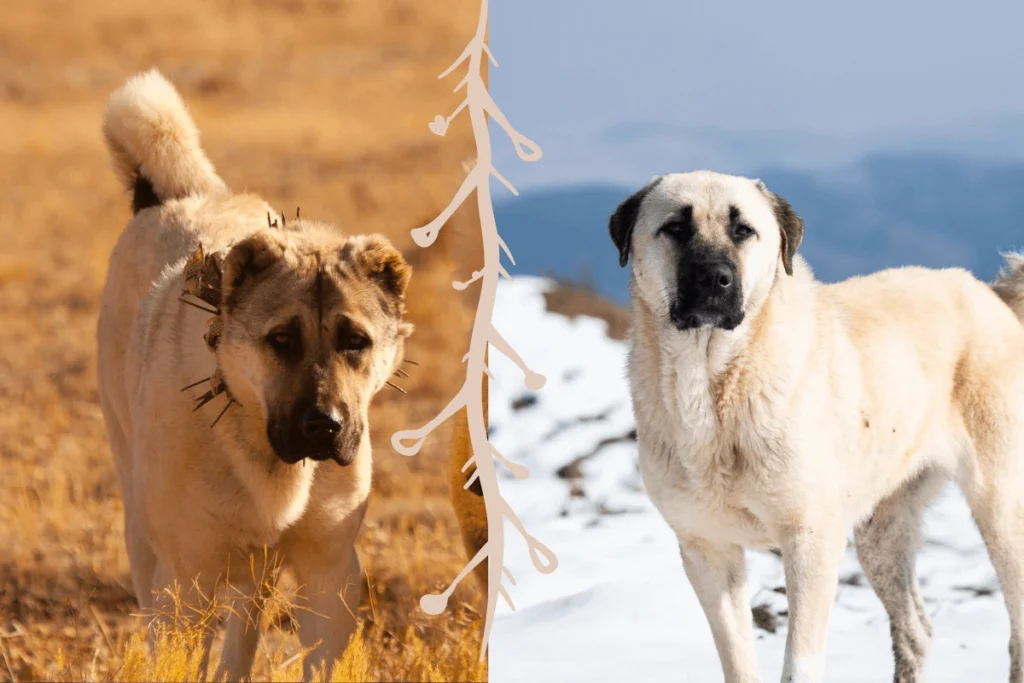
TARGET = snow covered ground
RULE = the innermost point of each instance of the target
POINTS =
(619, 608)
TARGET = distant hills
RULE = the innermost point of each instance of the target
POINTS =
(886, 210)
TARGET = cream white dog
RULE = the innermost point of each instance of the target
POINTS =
(237, 412)
(774, 411)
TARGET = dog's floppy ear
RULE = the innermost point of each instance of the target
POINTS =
(387, 268)
(623, 220)
(791, 226)
(245, 261)
(384, 265)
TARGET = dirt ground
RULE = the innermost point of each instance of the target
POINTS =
(321, 104)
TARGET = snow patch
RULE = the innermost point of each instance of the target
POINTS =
(619, 606)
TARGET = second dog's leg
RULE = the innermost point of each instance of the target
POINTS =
(999, 514)
(811, 554)
(717, 573)
(887, 544)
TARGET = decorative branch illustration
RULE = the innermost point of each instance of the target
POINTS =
(480, 105)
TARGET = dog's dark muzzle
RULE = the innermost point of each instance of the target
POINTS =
(708, 295)
(314, 433)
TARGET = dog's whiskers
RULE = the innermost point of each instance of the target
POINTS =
(396, 387)
(284, 221)
(270, 224)
(401, 373)
(411, 362)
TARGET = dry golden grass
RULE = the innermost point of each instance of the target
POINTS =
(316, 103)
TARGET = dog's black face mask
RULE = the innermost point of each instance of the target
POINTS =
(708, 291)
(308, 431)
(708, 287)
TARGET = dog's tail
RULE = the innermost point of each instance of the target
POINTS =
(155, 143)
(1009, 284)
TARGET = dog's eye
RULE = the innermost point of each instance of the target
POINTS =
(672, 229)
(679, 227)
(742, 232)
(353, 342)
(351, 339)
(282, 341)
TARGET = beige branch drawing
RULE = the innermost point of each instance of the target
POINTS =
(480, 105)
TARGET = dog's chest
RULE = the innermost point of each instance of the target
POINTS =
(704, 444)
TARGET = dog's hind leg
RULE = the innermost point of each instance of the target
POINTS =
(141, 559)
(998, 510)
(887, 545)
(717, 572)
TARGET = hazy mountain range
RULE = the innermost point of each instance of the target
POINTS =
(926, 208)
(631, 151)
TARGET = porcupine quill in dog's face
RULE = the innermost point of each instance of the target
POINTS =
(308, 329)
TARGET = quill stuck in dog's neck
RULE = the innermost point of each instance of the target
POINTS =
(202, 276)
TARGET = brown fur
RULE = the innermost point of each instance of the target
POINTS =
(310, 324)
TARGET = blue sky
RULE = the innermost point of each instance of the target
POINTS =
(602, 85)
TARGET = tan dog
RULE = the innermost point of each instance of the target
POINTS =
(309, 329)
(773, 411)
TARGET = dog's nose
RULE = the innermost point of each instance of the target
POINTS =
(717, 277)
(318, 424)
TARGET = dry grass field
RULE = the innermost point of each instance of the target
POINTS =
(321, 104)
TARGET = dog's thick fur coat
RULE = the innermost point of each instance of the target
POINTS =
(311, 327)
(774, 411)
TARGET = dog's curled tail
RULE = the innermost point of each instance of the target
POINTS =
(155, 144)
(1009, 284)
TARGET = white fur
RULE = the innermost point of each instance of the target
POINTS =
(807, 669)
(150, 133)
(827, 405)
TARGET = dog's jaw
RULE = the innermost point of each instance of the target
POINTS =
(702, 320)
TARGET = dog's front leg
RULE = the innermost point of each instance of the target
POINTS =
(242, 636)
(717, 572)
(178, 606)
(811, 555)
(331, 589)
